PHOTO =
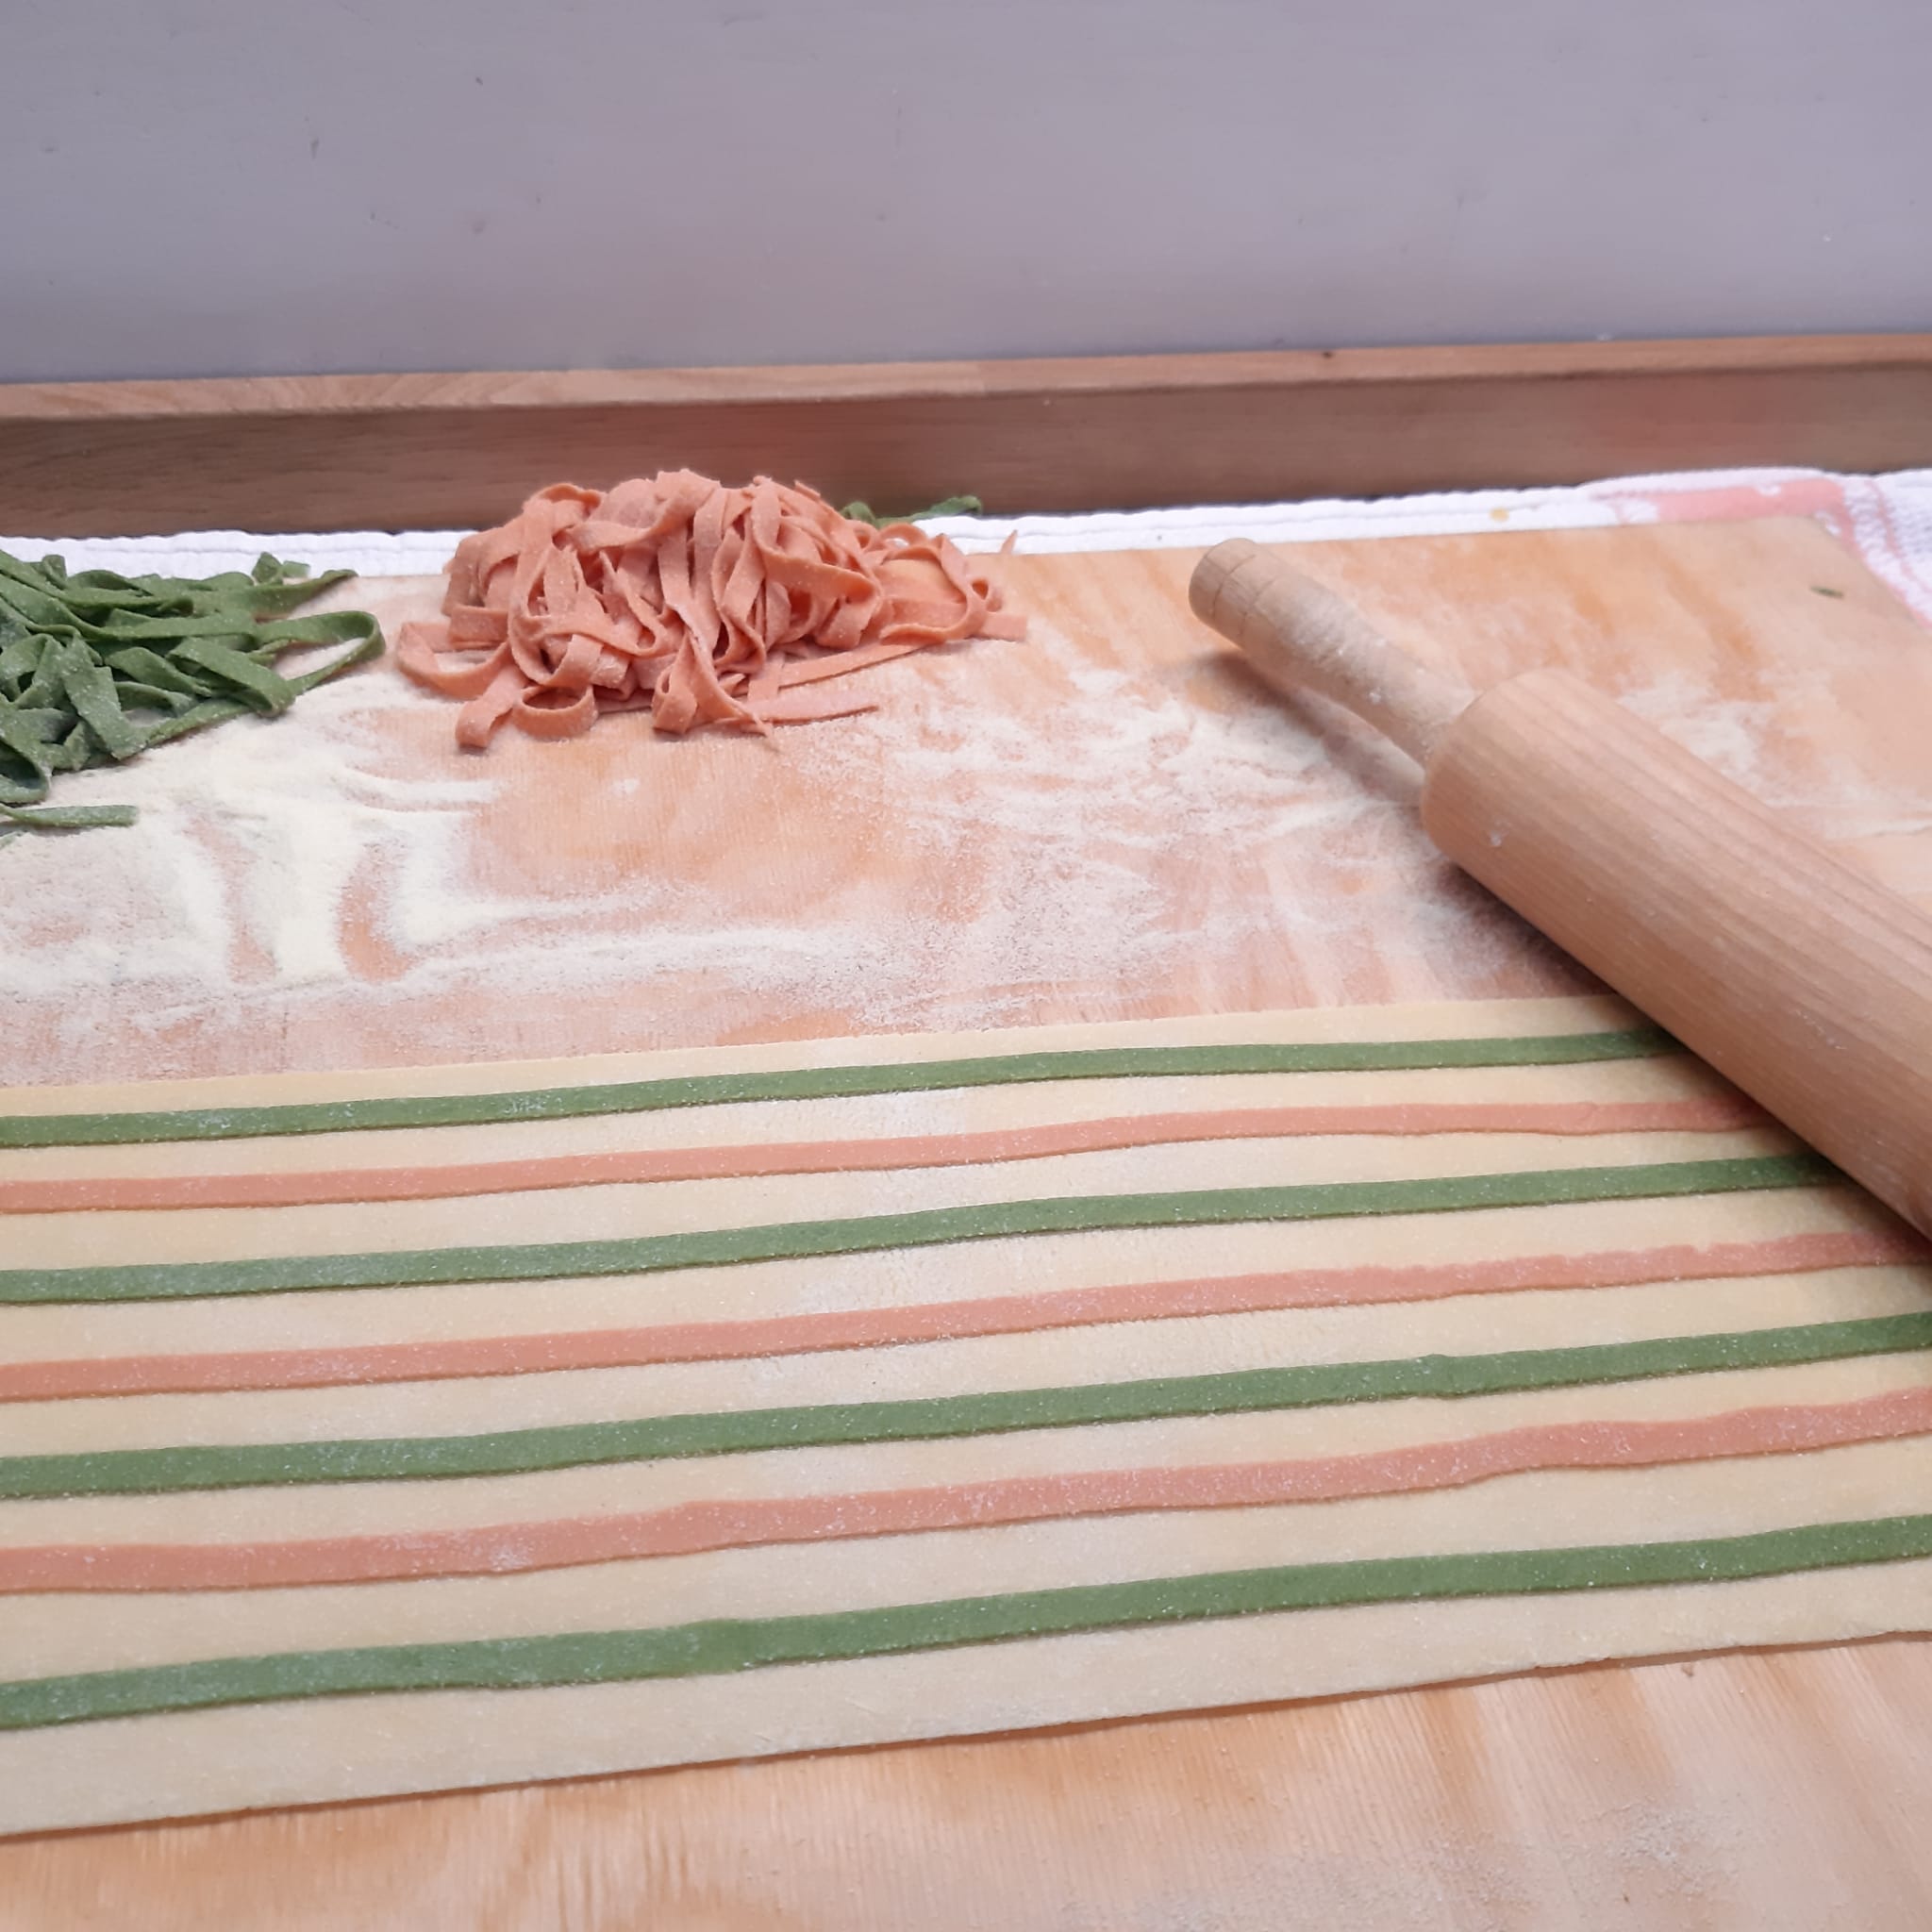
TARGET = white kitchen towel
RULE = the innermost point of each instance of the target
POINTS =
(1887, 520)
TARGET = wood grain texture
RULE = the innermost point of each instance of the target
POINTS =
(1301, 637)
(1719, 1794)
(1742, 1792)
(1796, 975)
(1793, 974)
(443, 451)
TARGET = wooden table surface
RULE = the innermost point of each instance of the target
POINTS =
(1109, 821)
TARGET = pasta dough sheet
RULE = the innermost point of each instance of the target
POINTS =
(460, 1426)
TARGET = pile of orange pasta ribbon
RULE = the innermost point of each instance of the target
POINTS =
(704, 602)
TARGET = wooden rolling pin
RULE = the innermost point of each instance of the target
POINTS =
(1798, 977)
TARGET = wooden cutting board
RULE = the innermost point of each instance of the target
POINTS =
(1110, 821)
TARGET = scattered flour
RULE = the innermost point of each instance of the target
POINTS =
(339, 887)
(1750, 741)
(291, 886)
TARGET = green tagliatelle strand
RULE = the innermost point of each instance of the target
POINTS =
(920, 1227)
(921, 1419)
(729, 1644)
(827, 1083)
(946, 506)
(96, 668)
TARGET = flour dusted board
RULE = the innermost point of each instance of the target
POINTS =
(1715, 632)
(1110, 820)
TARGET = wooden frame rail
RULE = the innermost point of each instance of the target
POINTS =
(439, 451)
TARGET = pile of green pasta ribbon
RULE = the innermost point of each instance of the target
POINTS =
(96, 668)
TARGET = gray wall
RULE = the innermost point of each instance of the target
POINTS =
(192, 187)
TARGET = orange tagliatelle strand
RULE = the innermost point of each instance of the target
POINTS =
(742, 1339)
(759, 1521)
(703, 602)
(288, 1188)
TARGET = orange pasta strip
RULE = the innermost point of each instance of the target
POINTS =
(1140, 1301)
(688, 597)
(686, 1528)
(1702, 1113)
(810, 670)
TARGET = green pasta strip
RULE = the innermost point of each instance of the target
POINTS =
(266, 689)
(96, 668)
(92, 695)
(516, 1452)
(820, 1083)
(946, 506)
(66, 818)
(720, 1645)
(653, 1254)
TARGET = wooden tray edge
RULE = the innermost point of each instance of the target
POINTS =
(456, 450)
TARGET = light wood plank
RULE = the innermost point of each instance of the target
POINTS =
(455, 450)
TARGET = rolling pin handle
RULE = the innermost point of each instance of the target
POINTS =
(1302, 637)
(1797, 975)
